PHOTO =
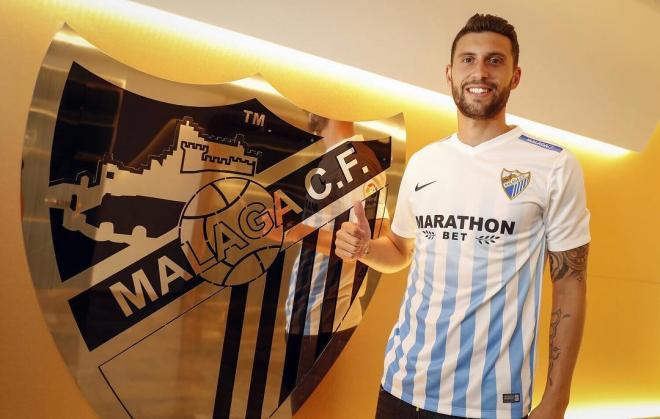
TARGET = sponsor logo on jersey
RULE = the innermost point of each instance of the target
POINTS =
(455, 225)
(515, 182)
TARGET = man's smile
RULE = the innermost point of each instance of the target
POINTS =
(479, 90)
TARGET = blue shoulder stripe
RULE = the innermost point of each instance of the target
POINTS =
(541, 144)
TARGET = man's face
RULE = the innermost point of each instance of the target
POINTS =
(482, 74)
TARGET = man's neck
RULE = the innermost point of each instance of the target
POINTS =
(476, 131)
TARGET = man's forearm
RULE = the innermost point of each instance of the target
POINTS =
(384, 256)
(568, 272)
(566, 326)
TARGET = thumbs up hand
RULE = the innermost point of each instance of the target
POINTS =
(353, 239)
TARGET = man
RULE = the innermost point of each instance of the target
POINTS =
(476, 213)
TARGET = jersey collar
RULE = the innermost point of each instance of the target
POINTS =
(486, 145)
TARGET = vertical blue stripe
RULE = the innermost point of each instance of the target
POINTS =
(408, 382)
(489, 391)
(516, 352)
(462, 375)
(438, 350)
(316, 294)
(404, 328)
(538, 283)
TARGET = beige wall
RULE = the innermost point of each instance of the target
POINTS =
(622, 337)
(586, 57)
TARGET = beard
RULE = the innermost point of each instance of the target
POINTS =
(479, 110)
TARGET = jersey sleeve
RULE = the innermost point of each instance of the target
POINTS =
(403, 223)
(566, 217)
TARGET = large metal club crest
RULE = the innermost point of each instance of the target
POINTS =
(180, 237)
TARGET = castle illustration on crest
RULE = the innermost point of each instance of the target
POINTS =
(174, 175)
(203, 152)
(195, 151)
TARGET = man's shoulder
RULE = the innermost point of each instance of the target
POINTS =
(545, 153)
(539, 143)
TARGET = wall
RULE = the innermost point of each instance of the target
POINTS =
(410, 41)
(622, 339)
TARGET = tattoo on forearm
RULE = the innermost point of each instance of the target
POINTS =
(555, 350)
(571, 263)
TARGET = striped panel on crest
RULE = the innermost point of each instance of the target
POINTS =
(277, 342)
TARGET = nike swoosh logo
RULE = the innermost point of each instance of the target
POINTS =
(417, 187)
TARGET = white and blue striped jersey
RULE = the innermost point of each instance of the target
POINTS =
(482, 218)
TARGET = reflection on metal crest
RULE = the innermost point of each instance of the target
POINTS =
(180, 236)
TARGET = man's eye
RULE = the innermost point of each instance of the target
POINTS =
(496, 60)
(468, 60)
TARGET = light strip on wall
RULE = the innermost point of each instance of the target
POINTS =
(569, 139)
(223, 39)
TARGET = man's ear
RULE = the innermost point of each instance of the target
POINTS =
(515, 80)
(448, 74)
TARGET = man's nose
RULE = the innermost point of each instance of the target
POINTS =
(481, 70)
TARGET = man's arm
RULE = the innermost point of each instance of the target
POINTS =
(569, 287)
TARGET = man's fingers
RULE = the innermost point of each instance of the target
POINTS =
(347, 247)
(344, 255)
(351, 228)
(349, 241)
(352, 238)
(347, 237)
(356, 230)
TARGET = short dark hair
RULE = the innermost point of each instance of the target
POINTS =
(489, 23)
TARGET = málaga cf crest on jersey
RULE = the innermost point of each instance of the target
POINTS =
(168, 225)
(514, 182)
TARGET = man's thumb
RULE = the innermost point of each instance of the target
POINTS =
(362, 221)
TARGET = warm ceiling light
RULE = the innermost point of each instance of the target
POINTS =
(360, 80)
